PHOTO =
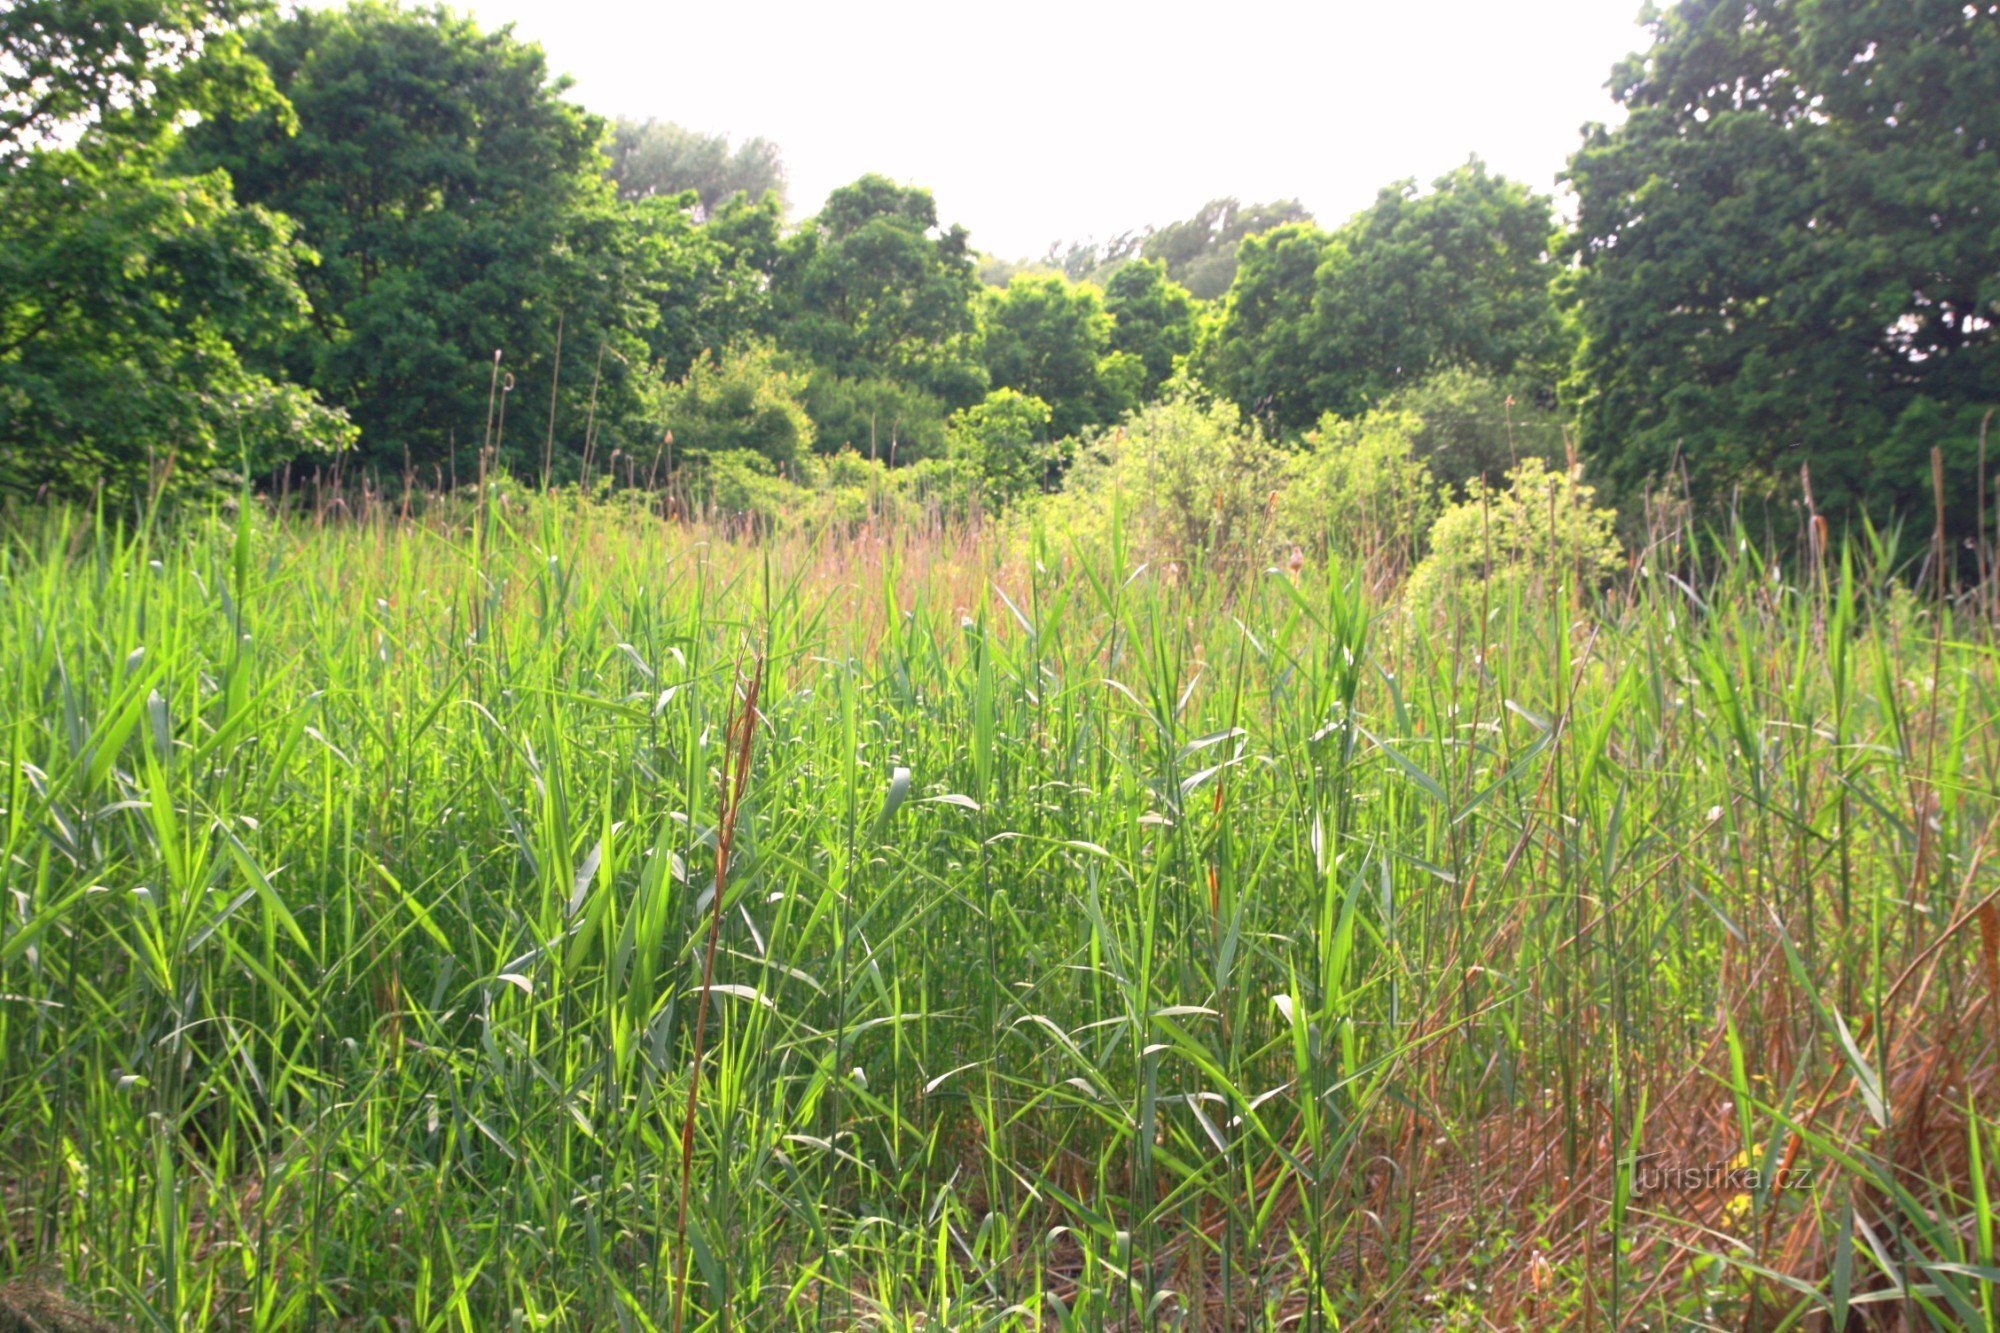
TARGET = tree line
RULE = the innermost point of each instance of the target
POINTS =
(234, 240)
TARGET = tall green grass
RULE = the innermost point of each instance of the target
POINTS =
(1104, 945)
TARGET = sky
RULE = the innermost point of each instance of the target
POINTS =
(1065, 119)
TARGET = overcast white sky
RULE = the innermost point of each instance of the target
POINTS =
(1052, 119)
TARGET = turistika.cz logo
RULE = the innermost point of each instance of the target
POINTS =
(1733, 1177)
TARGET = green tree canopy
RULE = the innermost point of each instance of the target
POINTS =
(134, 302)
(459, 207)
(874, 286)
(1156, 318)
(1266, 353)
(1786, 255)
(1457, 275)
(1050, 338)
(124, 68)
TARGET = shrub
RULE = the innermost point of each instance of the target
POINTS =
(1359, 490)
(1541, 529)
(1196, 479)
(745, 402)
(1004, 440)
(740, 485)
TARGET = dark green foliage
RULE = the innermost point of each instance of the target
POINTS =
(459, 206)
(1787, 252)
(1336, 322)
(1155, 318)
(1475, 428)
(1457, 275)
(872, 286)
(135, 303)
(878, 418)
(1265, 353)
(129, 302)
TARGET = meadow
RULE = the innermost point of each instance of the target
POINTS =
(550, 916)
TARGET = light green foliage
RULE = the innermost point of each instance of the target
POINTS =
(1052, 339)
(1358, 488)
(120, 70)
(1785, 254)
(747, 400)
(1194, 479)
(1542, 532)
(1005, 439)
(658, 157)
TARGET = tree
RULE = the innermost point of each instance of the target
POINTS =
(125, 69)
(693, 288)
(1785, 254)
(1457, 275)
(1155, 318)
(459, 207)
(134, 301)
(882, 419)
(1051, 339)
(658, 157)
(873, 286)
(1422, 280)
(1266, 353)
(1200, 253)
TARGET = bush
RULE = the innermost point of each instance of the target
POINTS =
(1196, 479)
(1541, 529)
(1004, 441)
(746, 402)
(877, 418)
(740, 486)
(1359, 490)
